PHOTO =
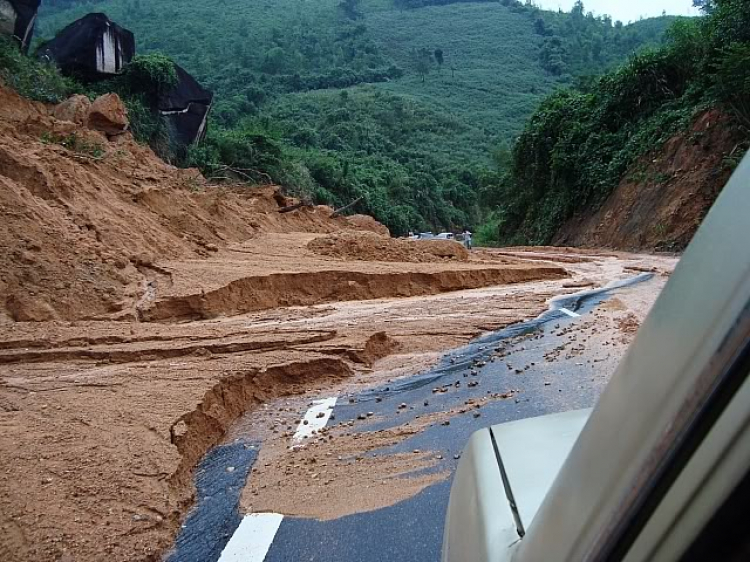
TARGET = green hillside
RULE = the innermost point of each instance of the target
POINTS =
(404, 107)
(581, 142)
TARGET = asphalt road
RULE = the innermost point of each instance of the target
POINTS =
(412, 529)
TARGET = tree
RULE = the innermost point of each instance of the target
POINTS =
(350, 9)
(539, 27)
(422, 62)
(706, 6)
(438, 54)
(274, 61)
(149, 75)
(578, 10)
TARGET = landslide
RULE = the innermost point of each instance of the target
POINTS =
(104, 416)
(83, 219)
(662, 200)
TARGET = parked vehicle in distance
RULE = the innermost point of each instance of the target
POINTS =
(445, 236)
(659, 470)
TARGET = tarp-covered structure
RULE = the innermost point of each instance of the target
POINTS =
(17, 18)
(186, 106)
(92, 47)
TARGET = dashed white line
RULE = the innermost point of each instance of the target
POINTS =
(315, 419)
(569, 313)
(253, 538)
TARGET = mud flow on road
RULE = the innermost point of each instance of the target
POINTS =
(361, 470)
(306, 408)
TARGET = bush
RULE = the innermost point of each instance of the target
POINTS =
(732, 80)
(33, 79)
(149, 76)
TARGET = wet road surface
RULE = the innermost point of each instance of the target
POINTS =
(529, 369)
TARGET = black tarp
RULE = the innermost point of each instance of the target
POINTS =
(25, 17)
(186, 106)
(91, 47)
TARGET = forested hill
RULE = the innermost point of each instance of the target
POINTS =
(404, 103)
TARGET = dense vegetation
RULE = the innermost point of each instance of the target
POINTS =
(401, 104)
(580, 142)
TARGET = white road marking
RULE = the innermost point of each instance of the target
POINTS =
(252, 539)
(316, 418)
(569, 313)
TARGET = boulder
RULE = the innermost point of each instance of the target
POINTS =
(108, 115)
(75, 109)
(186, 106)
(93, 47)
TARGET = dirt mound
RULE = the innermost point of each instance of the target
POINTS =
(367, 246)
(83, 219)
(663, 199)
(366, 222)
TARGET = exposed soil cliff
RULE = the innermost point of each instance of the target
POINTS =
(662, 200)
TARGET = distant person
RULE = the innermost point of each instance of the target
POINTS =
(467, 239)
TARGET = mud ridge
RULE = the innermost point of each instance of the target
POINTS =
(251, 294)
(196, 432)
(166, 351)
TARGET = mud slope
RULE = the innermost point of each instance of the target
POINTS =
(662, 200)
(104, 416)
(81, 229)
